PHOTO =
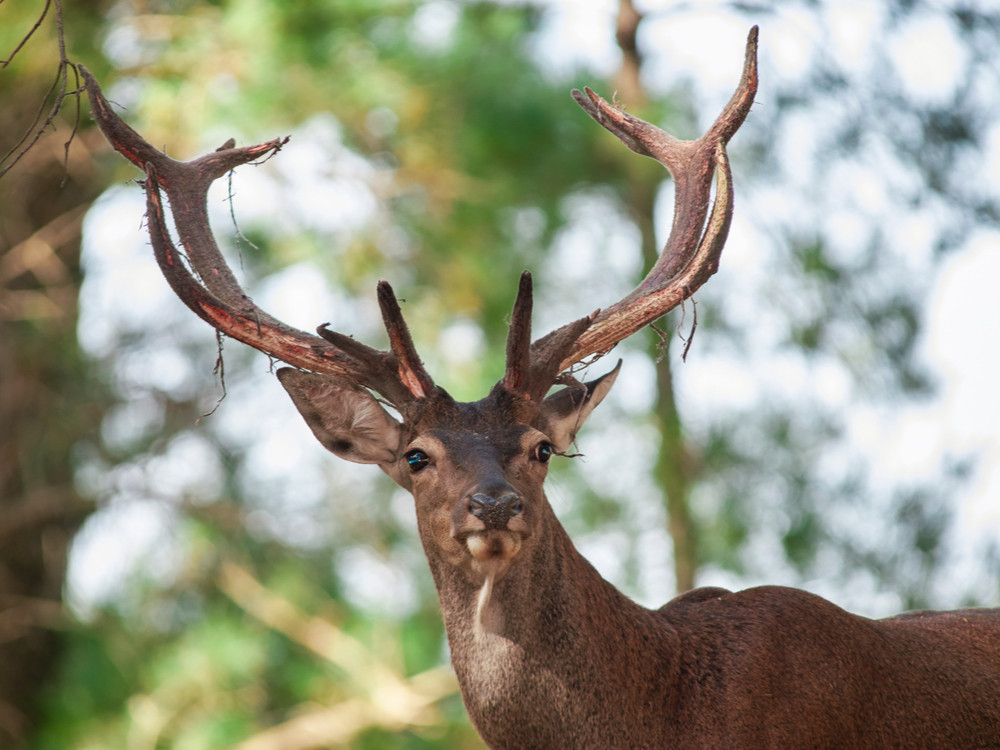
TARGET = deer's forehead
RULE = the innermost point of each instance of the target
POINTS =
(500, 421)
(506, 441)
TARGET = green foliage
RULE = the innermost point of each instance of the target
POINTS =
(221, 656)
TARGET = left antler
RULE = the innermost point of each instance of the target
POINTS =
(691, 253)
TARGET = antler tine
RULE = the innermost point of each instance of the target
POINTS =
(518, 369)
(411, 370)
(186, 185)
(532, 367)
(691, 253)
(217, 297)
(738, 106)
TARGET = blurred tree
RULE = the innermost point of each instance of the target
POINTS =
(49, 399)
(882, 138)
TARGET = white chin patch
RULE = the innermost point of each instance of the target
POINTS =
(493, 547)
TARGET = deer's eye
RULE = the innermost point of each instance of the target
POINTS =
(544, 452)
(417, 460)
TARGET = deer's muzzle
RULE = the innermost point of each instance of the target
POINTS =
(495, 512)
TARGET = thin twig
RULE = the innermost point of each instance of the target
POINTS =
(663, 346)
(41, 121)
(694, 327)
(220, 371)
(27, 37)
(240, 237)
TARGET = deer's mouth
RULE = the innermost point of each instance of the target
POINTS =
(493, 545)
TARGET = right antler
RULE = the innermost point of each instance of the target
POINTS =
(398, 374)
(690, 255)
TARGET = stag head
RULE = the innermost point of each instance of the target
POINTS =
(475, 469)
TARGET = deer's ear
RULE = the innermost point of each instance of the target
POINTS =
(346, 419)
(565, 411)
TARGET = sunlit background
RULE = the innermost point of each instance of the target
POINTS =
(233, 582)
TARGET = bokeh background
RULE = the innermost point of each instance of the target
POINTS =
(182, 566)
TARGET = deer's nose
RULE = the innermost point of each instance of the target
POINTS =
(495, 512)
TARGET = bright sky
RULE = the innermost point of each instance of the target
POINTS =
(702, 42)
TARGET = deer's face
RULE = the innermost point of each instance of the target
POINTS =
(475, 469)
(478, 493)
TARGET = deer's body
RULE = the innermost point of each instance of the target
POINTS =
(559, 658)
(547, 653)
(769, 667)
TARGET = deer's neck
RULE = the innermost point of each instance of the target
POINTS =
(552, 638)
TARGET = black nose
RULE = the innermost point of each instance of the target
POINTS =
(495, 512)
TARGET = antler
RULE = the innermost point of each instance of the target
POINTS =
(691, 253)
(216, 297)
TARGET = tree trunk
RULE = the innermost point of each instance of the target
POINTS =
(46, 405)
(672, 465)
(672, 468)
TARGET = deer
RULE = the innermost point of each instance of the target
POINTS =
(547, 653)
